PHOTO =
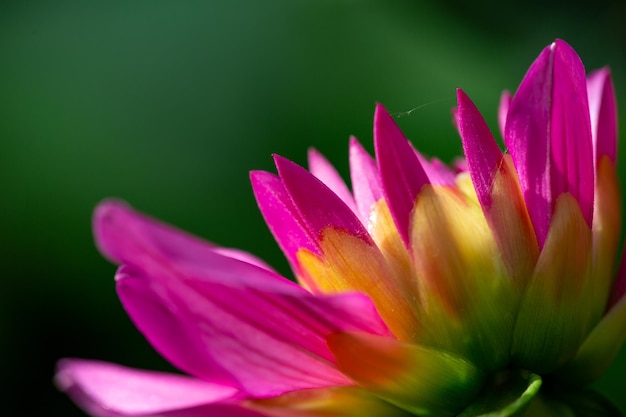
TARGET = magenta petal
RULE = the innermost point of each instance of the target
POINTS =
(269, 342)
(503, 110)
(124, 391)
(481, 150)
(321, 168)
(318, 206)
(281, 215)
(549, 136)
(603, 112)
(111, 215)
(436, 171)
(209, 317)
(365, 180)
(401, 173)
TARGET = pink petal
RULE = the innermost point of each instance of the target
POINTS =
(503, 110)
(365, 180)
(268, 342)
(321, 168)
(549, 136)
(318, 206)
(215, 319)
(281, 215)
(460, 165)
(401, 173)
(480, 148)
(436, 171)
(603, 112)
(161, 237)
(108, 389)
(243, 256)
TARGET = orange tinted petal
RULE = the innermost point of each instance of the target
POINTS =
(509, 219)
(326, 402)
(348, 263)
(421, 380)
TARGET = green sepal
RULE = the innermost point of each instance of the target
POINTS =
(507, 395)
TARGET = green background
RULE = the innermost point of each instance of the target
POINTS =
(169, 104)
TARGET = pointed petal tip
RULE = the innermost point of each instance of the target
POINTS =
(317, 204)
(462, 99)
(401, 172)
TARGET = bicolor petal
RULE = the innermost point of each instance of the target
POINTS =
(317, 205)
(497, 189)
(281, 215)
(401, 173)
(548, 134)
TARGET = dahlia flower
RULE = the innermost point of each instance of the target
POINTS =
(484, 289)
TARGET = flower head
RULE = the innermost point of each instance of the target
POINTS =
(424, 290)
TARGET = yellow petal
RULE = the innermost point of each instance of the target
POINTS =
(421, 380)
(384, 232)
(468, 302)
(348, 263)
(556, 312)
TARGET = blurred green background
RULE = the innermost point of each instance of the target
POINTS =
(169, 104)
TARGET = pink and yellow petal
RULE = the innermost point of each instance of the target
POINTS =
(548, 134)
(401, 172)
(418, 379)
(556, 312)
(347, 263)
(281, 216)
(511, 225)
(467, 303)
(497, 189)
(388, 239)
(319, 207)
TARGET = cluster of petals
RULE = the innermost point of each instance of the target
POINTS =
(417, 288)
